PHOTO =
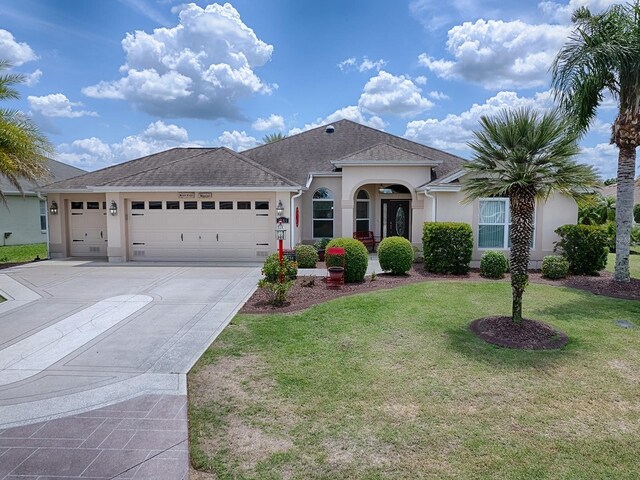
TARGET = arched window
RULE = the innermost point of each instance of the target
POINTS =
(362, 211)
(323, 213)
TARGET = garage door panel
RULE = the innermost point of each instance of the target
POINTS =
(88, 232)
(213, 235)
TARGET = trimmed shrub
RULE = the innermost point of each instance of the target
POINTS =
(610, 228)
(447, 247)
(306, 256)
(271, 268)
(585, 247)
(395, 254)
(356, 261)
(321, 243)
(493, 265)
(636, 212)
(555, 267)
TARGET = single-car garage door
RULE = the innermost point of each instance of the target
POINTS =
(214, 230)
(88, 228)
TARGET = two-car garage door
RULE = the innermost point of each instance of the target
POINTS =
(198, 229)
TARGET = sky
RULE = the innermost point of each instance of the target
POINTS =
(113, 80)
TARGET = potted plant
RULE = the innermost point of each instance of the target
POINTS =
(320, 246)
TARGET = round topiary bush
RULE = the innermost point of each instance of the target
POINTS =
(357, 258)
(306, 256)
(271, 268)
(555, 267)
(493, 265)
(395, 254)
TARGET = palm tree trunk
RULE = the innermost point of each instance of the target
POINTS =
(624, 210)
(522, 205)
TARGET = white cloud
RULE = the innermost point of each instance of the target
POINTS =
(237, 141)
(421, 80)
(274, 122)
(92, 153)
(16, 53)
(57, 105)
(365, 65)
(498, 54)
(352, 112)
(32, 79)
(604, 157)
(454, 131)
(436, 95)
(561, 12)
(196, 69)
(393, 95)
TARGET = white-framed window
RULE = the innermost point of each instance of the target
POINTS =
(362, 211)
(494, 224)
(322, 213)
(43, 216)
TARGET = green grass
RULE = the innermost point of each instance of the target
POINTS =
(634, 264)
(22, 253)
(392, 384)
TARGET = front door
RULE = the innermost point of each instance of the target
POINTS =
(395, 218)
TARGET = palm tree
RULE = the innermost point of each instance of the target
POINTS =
(525, 155)
(273, 137)
(23, 148)
(603, 55)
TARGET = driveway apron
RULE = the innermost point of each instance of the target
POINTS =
(93, 363)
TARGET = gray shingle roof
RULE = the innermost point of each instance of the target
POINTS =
(181, 167)
(383, 153)
(57, 171)
(314, 150)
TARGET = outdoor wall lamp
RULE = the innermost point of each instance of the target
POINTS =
(53, 209)
(279, 209)
(113, 208)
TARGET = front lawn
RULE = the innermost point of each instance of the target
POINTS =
(634, 264)
(392, 384)
(22, 253)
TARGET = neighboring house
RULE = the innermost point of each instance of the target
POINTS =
(612, 191)
(23, 218)
(215, 204)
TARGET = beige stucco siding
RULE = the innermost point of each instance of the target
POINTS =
(21, 217)
(306, 209)
(558, 210)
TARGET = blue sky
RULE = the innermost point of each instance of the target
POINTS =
(113, 80)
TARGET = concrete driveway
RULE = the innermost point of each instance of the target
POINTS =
(96, 356)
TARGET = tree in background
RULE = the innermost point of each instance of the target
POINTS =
(603, 55)
(23, 148)
(273, 137)
(525, 155)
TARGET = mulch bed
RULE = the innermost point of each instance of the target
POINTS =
(303, 296)
(528, 335)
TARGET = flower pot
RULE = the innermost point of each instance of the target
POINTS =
(321, 255)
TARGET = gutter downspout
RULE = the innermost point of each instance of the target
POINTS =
(293, 216)
(433, 205)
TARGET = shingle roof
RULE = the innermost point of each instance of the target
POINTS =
(217, 167)
(57, 171)
(181, 167)
(314, 150)
(384, 153)
(612, 191)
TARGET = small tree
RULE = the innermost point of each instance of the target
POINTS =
(525, 155)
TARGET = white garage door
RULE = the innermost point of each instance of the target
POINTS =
(88, 228)
(207, 230)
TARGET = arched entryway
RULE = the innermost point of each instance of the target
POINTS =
(395, 211)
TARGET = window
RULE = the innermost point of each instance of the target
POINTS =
(93, 205)
(494, 224)
(226, 205)
(137, 205)
(77, 205)
(362, 211)
(208, 205)
(173, 205)
(244, 205)
(262, 205)
(190, 205)
(323, 213)
(155, 205)
(43, 216)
